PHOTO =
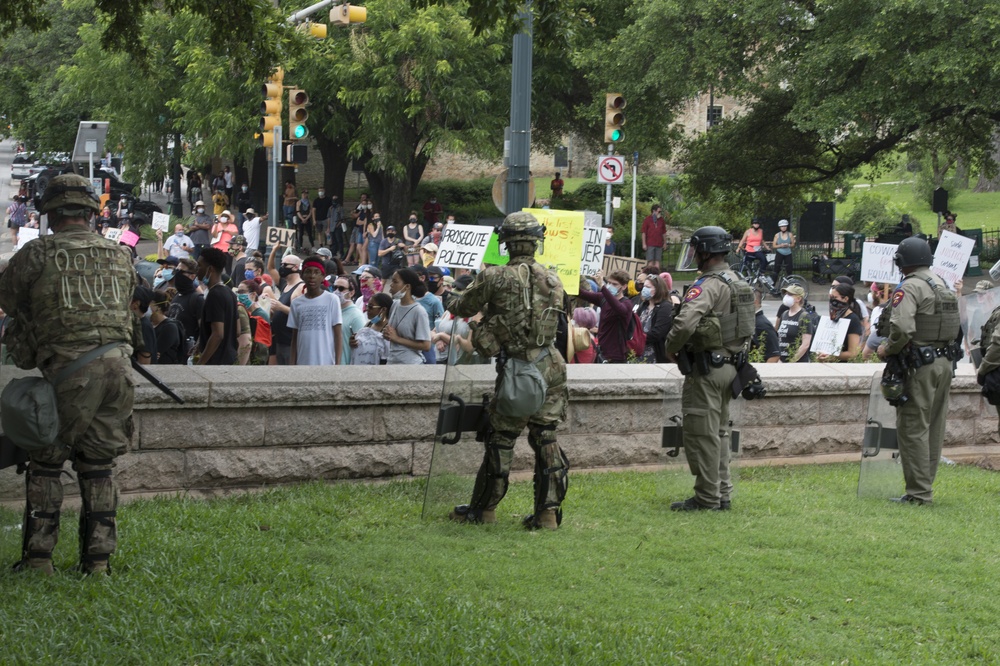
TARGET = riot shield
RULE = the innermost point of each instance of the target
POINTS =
(881, 473)
(973, 311)
(457, 455)
(676, 480)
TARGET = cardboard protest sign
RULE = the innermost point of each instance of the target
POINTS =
(952, 256)
(829, 337)
(129, 238)
(25, 234)
(631, 266)
(161, 221)
(280, 236)
(593, 250)
(113, 234)
(495, 255)
(877, 263)
(463, 246)
(562, 249)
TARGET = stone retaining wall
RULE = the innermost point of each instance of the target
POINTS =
(256, 426)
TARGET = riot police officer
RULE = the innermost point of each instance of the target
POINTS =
(709, 338)
(69, 294)
(923, 328)
(522, 304)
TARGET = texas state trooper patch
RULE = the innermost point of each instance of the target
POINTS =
(897, 297)
(692, 293)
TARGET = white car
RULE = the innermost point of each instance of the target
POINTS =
(21, 166)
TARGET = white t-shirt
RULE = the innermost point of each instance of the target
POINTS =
(315, 319)
(411, 322)
(372, 348)
(251, 231)
(173, 246)
(228, 176)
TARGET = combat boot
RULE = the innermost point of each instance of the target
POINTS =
(548, 519)
(44, 565)
(463, 513)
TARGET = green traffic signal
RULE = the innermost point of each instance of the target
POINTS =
(617, 135)
(300, 131)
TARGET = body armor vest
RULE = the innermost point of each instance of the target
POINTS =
(84, 291)
(527, 315)
(943, 325)
(738, 324)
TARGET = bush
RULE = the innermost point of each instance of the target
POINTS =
(874, 214)
(454, 193)
(470, 213)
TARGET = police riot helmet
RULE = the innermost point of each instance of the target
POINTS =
(520, 227)
(69, 195)
(711, 240)
(913, 252)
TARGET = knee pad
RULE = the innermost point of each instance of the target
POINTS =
(551, 469)
(492, 480)
(99, 495)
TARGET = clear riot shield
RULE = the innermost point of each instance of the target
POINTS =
(973, 311)
(676, 479)
(457, 455)
(881, 473)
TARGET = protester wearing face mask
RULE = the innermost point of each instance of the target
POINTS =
(765, 338)
(188, 303)
(238, 260)
(655, 314)
(352, 319)
(371, 284)
(288, 282)
(409, 331)
(141, 299)
(179, 244)
(369, 346)
(251, 228)
(616, 312)
(223, 231)
(796, 327)
(374, 234)
(243, 202)
(842, 307)
(432, 210)
(877, 307)
(320, 215)
(201, 229)
(169, 332)
(413, 233)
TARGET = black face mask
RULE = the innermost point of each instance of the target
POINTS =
(837, 308)
(432, 285)
(184, 283)
(390, 236)
(285, 271)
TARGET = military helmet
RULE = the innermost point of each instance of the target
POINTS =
(69, 194)
(521, 226)
(912, 252)
(711, 240)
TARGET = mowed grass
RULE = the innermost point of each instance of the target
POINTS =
(974, 210)
(800, 571)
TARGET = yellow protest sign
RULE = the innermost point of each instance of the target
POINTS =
(563, 245)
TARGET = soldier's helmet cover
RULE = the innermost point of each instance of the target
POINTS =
(520, 227)
(913, 251)
(711, 240)
(69, 194)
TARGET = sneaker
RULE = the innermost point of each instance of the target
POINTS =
(909, 499)
(464, 514)
(691, 504)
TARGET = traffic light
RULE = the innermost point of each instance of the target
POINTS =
(298, 99)
(614, 118)
(317, 30)
(270, 108)
(296, 153)
(348, 14)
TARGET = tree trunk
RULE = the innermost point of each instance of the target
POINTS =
(394, 196)
(991, 184)
(335, 165)
(258, 185)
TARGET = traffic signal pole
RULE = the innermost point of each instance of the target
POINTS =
(607, 199)
(518, 173)
(273, 181)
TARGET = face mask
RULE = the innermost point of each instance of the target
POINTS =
(321, 193)
(178, 233)
(204, 281)
(249, 275)
(244, 189)
(413, 220)
(201, 210)
(613, 290)
(285, 271)
(244, 300)
(390, 236)
(432, 285)
(398, 296)
(871, 301)
(224, 220)
(647, 293)
(837, 308)
(149, 311)
(434, 200)
(167, 275)
(377, 319)
(788, 300)
(184, 283)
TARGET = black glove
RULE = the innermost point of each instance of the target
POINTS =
(991, 387)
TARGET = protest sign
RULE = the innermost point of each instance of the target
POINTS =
(25, 234)
(562, 249)
(952, 256)
(161, 221)
(593, 250)
(280, 236)
(495, 255)
(830, 336)
(631, 266)
(129, 238)
(463, 246)
(113, 234)
(877, 263)
(995, 271)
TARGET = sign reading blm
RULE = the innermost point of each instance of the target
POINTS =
(280, 236)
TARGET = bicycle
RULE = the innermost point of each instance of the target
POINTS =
(760, 281)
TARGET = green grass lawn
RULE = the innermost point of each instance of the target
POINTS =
(800, 571)
(975, 211)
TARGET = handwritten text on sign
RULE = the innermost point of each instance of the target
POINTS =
(593, 250)
(877, 263)
(463, 246)
(279, 236)
(830, 336)
(952, 256)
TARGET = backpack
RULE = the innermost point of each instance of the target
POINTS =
(635, 337)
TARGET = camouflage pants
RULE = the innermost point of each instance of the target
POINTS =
(95, 418)
(551, 467)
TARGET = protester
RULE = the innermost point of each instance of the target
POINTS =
(584, 320)
(369, 346)
(765, 338)
(180, 244)
(797, 326)
(251, 228)
(353, 320)
(654, 236)
(223, 231)
(289, 287)
(842, 304)
(315, 320)
(409, 331)
(616, 315)
(217, 342)
(169, 332)
(656, 315)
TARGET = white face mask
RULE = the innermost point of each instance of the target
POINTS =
(398, 296)
(788, 300)
(871, 301)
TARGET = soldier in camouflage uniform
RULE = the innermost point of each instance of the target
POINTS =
(709, 334)
(923, 329)
(521, 303)
(69, 293)
(988, 372)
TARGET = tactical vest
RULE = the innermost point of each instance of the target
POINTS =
(715, 331)
(943, 325)
(986, 332)
(528, 313)
(84, 291)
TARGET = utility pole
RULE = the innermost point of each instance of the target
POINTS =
(518, 174)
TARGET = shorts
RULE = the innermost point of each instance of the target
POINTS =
(357, 236)
(654, 254)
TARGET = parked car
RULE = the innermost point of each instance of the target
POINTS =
(19, 169)
(142, 211)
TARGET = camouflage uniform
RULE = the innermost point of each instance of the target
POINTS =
(714, 317)
(522, 305)
(924, 315)
(69, 293)
(991, 350)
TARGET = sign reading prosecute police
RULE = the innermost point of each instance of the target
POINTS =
(463, 246)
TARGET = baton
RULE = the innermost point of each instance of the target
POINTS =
(156, 381)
